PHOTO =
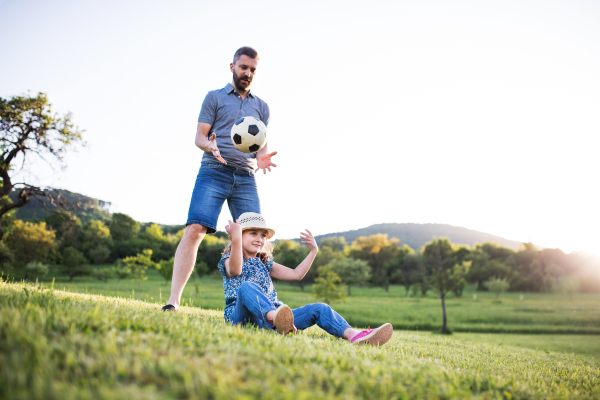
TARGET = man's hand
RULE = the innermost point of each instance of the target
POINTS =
(234, 229)
(264, 162)
(212, 146)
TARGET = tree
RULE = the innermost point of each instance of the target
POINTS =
(165, 269)
(335, 243)
(488, 260)
(202, 269)
(74, 262)
(409, 270)
(497, 285)
(351, 270)
(28, 131)
(7, 258)
(31, 242)
(210, 251)
(123, 227)
(290, 253)
(377, 250)
(96, 241)
(325, 256)
(155, 232)
(138, 266)
(327, 287)
(443, 270)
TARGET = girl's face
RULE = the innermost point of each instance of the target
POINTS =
(253, 240)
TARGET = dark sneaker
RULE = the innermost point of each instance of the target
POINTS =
(168, 307)
(376, 337)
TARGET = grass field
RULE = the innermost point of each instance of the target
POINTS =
(533, 314)
(61, 345)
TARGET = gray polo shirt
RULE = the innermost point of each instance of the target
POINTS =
(221, 108)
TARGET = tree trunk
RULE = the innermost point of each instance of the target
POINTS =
(407, 291)
(444, 324)
(349, 294)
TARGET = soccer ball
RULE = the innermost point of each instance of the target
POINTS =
(249, 134)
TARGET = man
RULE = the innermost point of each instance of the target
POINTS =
(225, 173)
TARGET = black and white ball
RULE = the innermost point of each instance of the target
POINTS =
(249, 134)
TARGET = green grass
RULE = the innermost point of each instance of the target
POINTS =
(534, 314)
(576, 344)
(62, 345)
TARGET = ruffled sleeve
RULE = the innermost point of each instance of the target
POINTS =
(222, 264)
(269, 264)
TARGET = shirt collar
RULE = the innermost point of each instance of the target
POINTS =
(228, 89)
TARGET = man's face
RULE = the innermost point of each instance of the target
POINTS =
(243, 72)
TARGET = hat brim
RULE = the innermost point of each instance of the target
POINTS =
(270, 232)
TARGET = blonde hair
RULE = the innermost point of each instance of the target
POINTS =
(267, 251)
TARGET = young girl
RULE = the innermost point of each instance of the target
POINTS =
(247, 267)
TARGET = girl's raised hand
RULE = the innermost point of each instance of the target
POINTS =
(307, 238)
(234, 230)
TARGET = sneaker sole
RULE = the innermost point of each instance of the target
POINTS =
(284, 320)
(378, 337)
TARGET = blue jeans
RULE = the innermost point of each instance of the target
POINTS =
(252, 305)
(215, 184)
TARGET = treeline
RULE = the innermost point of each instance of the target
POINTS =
(377, 260)
(80, 249)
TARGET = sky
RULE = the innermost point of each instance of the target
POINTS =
(481, 114)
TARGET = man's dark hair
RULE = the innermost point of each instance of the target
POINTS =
(246, 51)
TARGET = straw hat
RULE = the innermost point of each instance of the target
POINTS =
(250, 220)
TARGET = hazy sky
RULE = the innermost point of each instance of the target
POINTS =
(482, 114)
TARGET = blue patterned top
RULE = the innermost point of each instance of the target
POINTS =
(253, 270)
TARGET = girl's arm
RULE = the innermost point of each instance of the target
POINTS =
(233, 265)
(287, 274)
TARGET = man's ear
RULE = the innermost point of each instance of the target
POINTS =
(231, 65)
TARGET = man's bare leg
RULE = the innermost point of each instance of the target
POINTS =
(185, 259)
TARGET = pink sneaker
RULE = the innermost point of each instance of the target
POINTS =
(377, 337)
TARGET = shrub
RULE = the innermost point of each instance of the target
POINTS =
(99, 254)
(37, 269)
(497, 285)
(102, 274)
(138, 266)
(165, 269)
(121, 270)
(328, 287)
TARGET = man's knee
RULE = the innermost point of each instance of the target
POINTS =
(194, 232)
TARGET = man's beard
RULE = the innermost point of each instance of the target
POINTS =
(239, 81)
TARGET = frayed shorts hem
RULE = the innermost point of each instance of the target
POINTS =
(210, 228)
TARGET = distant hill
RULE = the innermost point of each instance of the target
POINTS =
(89, 208)
(416, 235)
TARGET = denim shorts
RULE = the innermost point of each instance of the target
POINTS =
(215, 184)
